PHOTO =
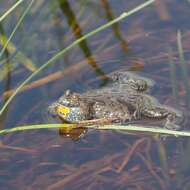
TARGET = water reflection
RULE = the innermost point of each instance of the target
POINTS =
(115, 27)
(73, 24)
(72, 133)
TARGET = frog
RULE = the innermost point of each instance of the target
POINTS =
(126, 99)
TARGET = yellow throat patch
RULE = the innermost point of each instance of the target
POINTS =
(63, 110)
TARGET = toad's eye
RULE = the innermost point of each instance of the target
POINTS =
(62, 110)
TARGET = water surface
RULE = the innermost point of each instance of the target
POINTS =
(145, 42)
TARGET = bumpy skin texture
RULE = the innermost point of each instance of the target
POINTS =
(125, 99)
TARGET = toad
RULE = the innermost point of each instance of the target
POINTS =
(125, 99)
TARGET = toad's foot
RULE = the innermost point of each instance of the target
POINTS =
(133, 81)
(173, 122)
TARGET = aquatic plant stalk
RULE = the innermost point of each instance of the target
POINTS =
(173, 77)
(16, 27)
(72, 45)
(11, 9)
(184, 67)
(20, 57)
(128, 128)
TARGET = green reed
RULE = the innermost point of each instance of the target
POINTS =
(128, 128)
(184, 67)
(10, 10)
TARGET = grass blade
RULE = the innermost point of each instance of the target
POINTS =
(10, 10)
(20, 57)
(184, 68)
(16, 27)
(173, 78)
(128, 128)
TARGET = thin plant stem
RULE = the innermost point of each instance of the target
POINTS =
(10, 10)
(129, 128)
(183, 65)
(16, 27)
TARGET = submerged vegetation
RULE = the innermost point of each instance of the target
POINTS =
(123, 157)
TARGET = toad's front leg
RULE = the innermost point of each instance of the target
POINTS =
(174, 121)
(132, 81)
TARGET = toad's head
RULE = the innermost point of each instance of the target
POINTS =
(68, 108)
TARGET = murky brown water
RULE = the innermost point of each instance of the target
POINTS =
(145, 42)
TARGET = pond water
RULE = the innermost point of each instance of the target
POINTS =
(145, 43)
